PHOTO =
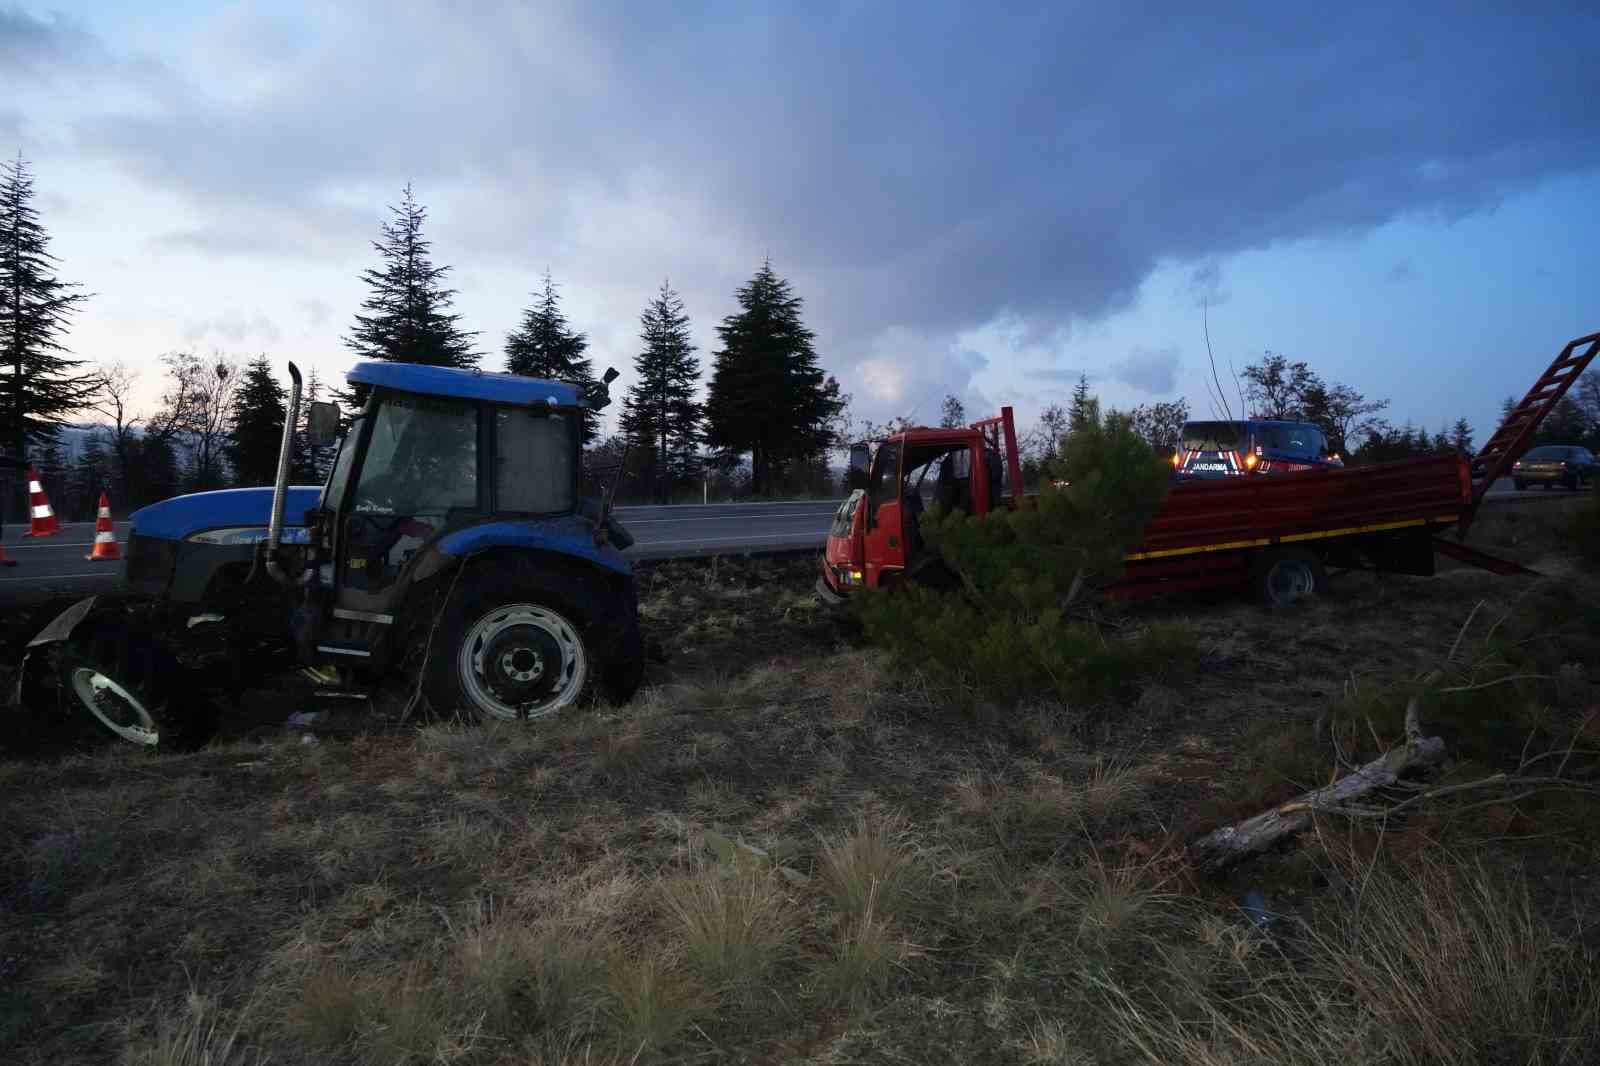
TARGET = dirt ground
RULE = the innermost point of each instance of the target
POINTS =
(790, 848)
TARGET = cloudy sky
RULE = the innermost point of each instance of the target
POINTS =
(985, 199)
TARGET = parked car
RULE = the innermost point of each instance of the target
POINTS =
(1567, 465)
(1253, 446)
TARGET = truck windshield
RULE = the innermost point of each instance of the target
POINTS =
(1213, 436)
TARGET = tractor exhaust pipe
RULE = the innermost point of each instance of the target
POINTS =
(280, 487)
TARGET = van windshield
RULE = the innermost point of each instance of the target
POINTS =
(1213, 436)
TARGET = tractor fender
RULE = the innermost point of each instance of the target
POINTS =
(64, 623)
(571, 538)
(59, 629)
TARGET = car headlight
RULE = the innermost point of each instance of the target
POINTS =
(247, 535)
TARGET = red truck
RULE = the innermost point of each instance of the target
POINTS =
(1276, 534)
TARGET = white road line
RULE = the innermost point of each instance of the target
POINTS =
(58, 577)
(830, 504)
(722, 518)
(47, 544)
(737, 541)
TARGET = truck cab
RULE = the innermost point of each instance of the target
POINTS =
(876, 534)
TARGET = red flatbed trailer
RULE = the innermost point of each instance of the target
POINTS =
(1278, 531)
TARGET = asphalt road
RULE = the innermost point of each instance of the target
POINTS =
(55, 566)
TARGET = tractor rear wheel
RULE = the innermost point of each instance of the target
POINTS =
(134, 690)
(528, 645)
(1282, 576)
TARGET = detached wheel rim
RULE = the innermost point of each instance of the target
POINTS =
(522, 661)
(115, 707)
(1290, 580)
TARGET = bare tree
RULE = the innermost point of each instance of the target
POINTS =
(197, 409)
(1160, 424)
(1277, 388)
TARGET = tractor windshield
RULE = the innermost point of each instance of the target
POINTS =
(422, 461)
(418, 477)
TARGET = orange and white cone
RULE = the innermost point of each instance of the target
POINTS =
(106, 548)
(44, 519)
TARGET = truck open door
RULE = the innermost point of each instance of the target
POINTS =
(885, 515)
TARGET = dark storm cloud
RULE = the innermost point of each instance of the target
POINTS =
(33, 46)
(925, 166)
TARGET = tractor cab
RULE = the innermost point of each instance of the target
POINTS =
(413, 468)
(438, 464)
(876, 533)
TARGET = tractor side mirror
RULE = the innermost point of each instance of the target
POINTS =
(860, 463)
(322, 422)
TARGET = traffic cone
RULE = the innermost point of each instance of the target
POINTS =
(44, 519)
(105, 548)
(3, 560)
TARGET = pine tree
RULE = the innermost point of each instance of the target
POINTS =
(407, 310)
(1077, 411)
(256, 429)
(1461, 436)
(768, 396)
(158, 463)
(311, 462)
(90, 476)
(545, 346)
(52, 465)
(660, 416)
(38, 388)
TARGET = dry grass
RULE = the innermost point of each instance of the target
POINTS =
(651, 1003)
(874, 869)
(197, 1036)
(813, 856)
(1440, 962)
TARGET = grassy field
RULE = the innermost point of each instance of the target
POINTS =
(791, 849)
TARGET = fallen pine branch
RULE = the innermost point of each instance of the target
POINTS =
(1226, 846)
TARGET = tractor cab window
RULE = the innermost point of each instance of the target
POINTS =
(419, 476)
(536, 460)
(333, 492)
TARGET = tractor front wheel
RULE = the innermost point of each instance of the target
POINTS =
(134, 690)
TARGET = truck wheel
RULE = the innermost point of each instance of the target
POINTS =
(134, 690)
(529, 646)
(1284, 575)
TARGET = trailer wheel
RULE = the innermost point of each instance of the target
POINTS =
(530, 644)
(134, 690)
(1282, 576)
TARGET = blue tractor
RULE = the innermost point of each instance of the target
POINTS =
(451, 553)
